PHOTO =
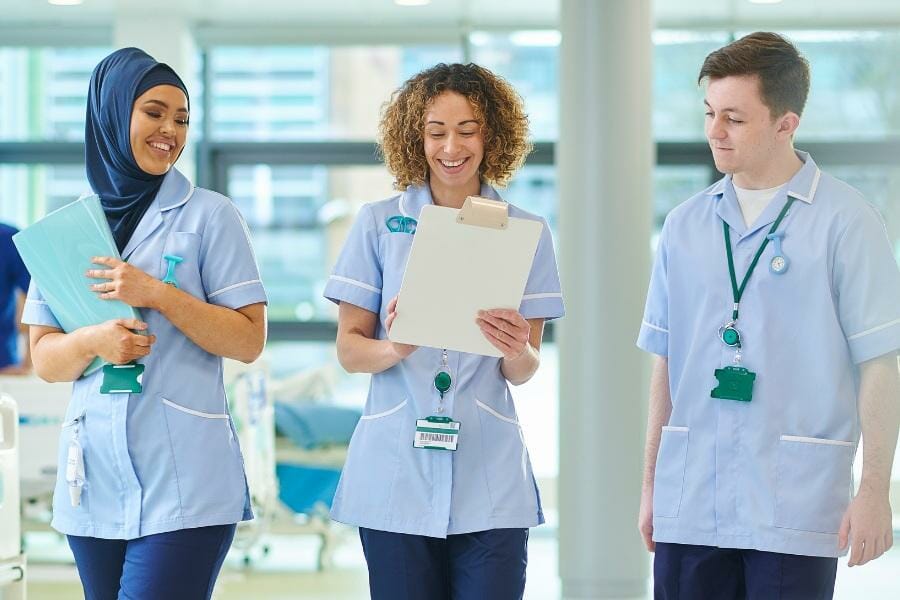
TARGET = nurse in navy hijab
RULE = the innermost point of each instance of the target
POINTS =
(156, 487)
(129, 147)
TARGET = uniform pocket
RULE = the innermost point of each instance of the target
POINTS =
(812, 488)
(207, 459)
(668, 484)
(505, 459)
(186, 246)
(373, 461)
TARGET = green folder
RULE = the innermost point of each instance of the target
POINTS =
(58, 250)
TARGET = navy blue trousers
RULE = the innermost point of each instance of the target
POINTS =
(486, 565)
(685, 572)
(178, 565)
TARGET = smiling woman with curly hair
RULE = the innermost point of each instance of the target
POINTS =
(433, 523)
(496, 106)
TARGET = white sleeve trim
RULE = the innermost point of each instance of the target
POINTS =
(873, 330)
(540, 296)
(364, 286)
(36, 302)
(231, 287)
(646, 324)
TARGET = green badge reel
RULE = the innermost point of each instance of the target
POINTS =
(443, 381)
(730, 335)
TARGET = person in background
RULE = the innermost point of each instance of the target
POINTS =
(14, 280)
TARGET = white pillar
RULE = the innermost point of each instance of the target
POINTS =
(168, 39)
(605, 165)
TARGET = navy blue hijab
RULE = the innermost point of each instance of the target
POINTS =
(125, 190)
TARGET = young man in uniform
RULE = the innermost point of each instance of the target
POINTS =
(774, 315)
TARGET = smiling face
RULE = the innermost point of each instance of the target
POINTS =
(454, 144)
(159, 126)
(743, 134)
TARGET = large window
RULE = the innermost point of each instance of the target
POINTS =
(855, 89)
(288, 93)
(43, 91)
(677, 99)
(28, 192)
(298, 216)
(528, 60)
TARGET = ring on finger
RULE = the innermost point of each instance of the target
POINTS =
(507, 338)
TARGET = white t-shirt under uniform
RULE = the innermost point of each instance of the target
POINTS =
(754, 202)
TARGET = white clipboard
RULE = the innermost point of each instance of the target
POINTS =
(463, 261)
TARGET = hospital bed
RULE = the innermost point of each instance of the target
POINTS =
(310, 449)
(12, 559)
(291, 478)
(290, 485)
(254, 422)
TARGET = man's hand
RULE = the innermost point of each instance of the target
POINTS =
(867, 526)
(645, 519)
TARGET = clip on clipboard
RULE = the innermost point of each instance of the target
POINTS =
(484, 212)
(463, 261)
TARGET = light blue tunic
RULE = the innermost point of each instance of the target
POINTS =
(773, 474)
(389, 485)
(167, 458)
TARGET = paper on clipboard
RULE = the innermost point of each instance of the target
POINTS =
(463, 261)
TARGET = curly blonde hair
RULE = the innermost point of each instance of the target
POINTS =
(497, 107)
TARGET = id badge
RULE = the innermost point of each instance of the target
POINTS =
(122, 379)
(735, 383)
(436, 433)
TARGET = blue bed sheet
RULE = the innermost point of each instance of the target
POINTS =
(310, 425)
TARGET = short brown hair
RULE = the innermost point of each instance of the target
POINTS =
(782, 71)
(497, 106)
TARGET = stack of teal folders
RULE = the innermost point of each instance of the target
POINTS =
(58, 250)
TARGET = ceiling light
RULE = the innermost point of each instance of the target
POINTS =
(412, 2)
(765, 1)
(65, 2)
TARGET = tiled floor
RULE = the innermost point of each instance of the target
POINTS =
(288, 572)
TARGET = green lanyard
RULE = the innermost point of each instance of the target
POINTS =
(728, 333)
